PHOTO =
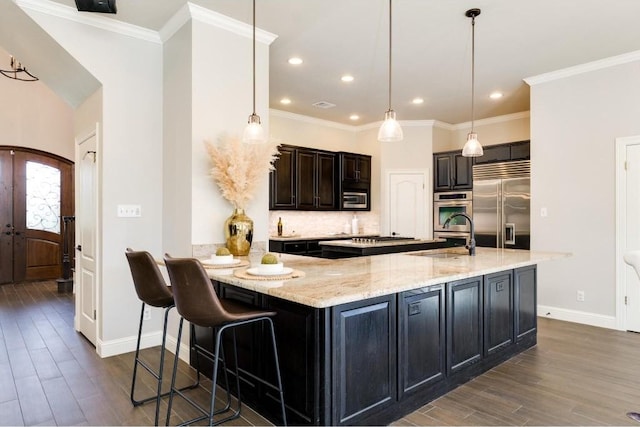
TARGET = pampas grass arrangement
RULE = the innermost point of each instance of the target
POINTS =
(239, 168)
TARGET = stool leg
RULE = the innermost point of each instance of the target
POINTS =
(175, 371)
(214, 380)
(135, 360)
(275, 356)
(161, 370)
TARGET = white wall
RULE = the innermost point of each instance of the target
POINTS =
(574, 123)
(32, 116)
(130, 70)
(222, 103)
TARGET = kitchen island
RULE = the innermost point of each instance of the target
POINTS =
(366, 340)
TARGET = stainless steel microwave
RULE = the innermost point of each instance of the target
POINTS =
(355, 200)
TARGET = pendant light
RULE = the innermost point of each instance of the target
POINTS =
(390, 130)
(472, 147)
(253, 133)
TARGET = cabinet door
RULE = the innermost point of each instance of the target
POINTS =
(349, 167)
(326, 179)
(498, 312)
(364, 168)
(442, 167)
(494, 153)
(421, 341)
(525, 302)
(297, 338)
(306, 179)
(464, 323)
(364, 358)
(520, 151)
(282, 188)
(462, 172)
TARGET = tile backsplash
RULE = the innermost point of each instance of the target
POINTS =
(314, 223)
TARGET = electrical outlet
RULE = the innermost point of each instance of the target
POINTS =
(580, 296)
(129, 211)
(543, 212)
(147, 314)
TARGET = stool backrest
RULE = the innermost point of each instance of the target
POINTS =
(147, 279)
(195, 298)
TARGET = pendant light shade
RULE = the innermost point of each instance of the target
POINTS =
(390, 130)
(253, 133)
(472, 147)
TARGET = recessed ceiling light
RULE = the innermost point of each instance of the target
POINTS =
(285, 101)
(496, 95)
(347, 78)
(295, 61)
(417, 101)
(354, 117)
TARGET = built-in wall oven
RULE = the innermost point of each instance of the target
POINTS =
(447, 203)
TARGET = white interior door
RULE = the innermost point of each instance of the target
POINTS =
(628, 207)
(86, 274)
(407, 204)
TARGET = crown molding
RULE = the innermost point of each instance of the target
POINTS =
(311, 120)
(600, 64)
(207, 16)
(492, 120)
(97, 21)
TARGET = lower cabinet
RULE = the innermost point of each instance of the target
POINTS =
(498, 312)
(373, 361)
(526, 316)
(464, 323)
(364, 358)
(421, 339)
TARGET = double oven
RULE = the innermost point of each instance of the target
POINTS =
(444, 205)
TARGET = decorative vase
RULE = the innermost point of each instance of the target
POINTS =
(238, 230)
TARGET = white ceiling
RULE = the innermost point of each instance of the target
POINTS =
(515, 39)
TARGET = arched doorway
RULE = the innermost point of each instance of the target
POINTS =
(36, 191)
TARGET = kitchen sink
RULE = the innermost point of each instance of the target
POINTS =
(438, 253)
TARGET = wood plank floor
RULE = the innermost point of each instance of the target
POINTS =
(50, 375)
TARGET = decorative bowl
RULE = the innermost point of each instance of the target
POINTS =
(222, 259)
(271, 268)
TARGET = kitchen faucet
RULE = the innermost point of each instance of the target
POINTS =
(472, 240)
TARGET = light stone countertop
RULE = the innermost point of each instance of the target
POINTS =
(331, 282)
(329, 236)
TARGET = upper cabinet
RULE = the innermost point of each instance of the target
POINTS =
(452, 171)
(504, 153)
(355, 169)
(304, 179)
(282, 180)
(316, 184)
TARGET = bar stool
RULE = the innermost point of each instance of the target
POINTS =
(152, 290)
(198, 303)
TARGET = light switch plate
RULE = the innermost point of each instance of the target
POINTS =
(129, 211)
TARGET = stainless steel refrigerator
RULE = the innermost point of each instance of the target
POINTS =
(501, 204)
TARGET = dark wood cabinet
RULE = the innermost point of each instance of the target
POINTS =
(355, 168)
(504, 153)
(282, 180)
(364, 358)
(421, 339)
(498, 312)
(464, 323)
(372, 361)
(452, 171)
(316, 184)
(525, 302)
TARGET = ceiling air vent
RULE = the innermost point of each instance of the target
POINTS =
(102, 6)
(323, 104)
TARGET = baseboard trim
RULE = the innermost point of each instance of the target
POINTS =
(576, 316)
(153, 339)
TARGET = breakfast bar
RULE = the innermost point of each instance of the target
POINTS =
(366, 340)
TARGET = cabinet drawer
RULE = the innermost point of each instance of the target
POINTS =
(295, 247)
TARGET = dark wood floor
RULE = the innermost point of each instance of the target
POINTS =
(50, 375)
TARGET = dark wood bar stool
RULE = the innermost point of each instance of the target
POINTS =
(152, 290)
(198, 303)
